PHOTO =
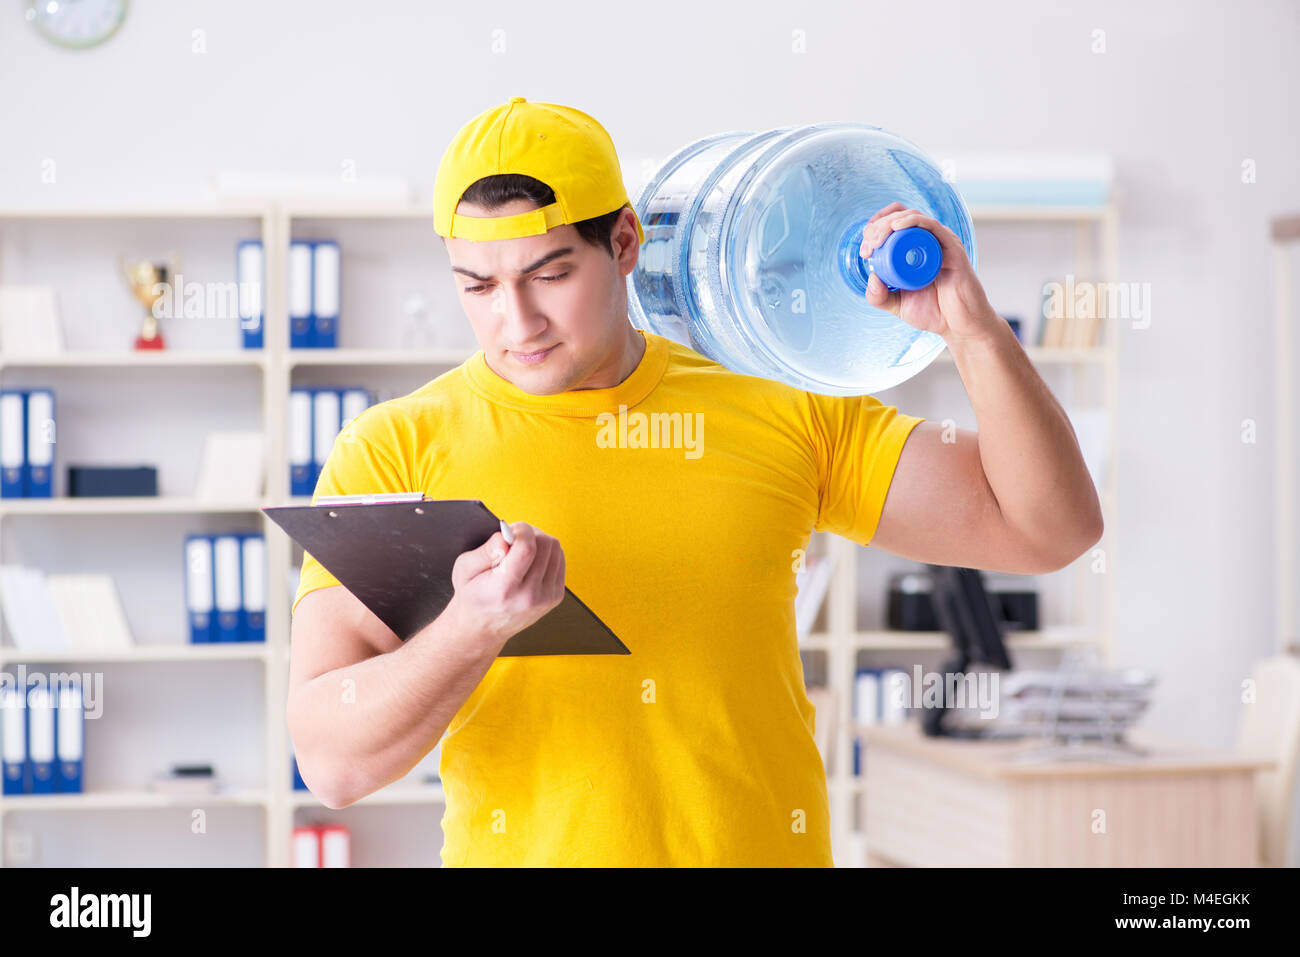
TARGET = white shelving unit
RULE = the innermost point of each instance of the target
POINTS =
(388, 254)
(846, 643)
(44, 246)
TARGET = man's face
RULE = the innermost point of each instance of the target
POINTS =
(549, 311)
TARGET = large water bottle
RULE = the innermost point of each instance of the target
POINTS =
(751, 254)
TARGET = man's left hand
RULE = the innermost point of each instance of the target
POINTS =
(954, 306)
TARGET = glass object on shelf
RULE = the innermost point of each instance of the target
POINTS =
(418, 328)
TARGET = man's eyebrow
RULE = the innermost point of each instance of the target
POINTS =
(523, 272)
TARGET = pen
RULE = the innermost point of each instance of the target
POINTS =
(508, 535)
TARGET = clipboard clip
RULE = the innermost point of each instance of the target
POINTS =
(371, 498)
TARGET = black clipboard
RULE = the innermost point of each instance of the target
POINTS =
(396, 558)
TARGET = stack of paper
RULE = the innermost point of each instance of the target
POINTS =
(62, 613)
(29, 615)
(90, 611)
(231, 469)
(184, 784)
(812, 580)
(29, 322)
(1067, 702)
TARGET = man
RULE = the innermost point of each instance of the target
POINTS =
(697, 748)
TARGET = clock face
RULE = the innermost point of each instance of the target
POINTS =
(76, 23)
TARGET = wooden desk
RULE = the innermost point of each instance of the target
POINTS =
(943, 802)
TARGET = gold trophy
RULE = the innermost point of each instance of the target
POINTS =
(145, 279)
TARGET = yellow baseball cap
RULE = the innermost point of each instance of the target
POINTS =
(564, 148)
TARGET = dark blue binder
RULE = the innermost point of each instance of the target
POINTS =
(302, 474)
(250, 268)
(70, 738)
(200, 587)
(13, 443)
(325, 308)
(42, 768)
(300, 294)
(230, 617)
(252, 626)
(38, 470)
(13, 714)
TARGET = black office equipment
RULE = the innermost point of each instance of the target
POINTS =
(909, 606)
(966, 612)
(396, 557)
(93, 481)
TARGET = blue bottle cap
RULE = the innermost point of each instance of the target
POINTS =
(909, 259)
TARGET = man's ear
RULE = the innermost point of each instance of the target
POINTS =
(625, 230)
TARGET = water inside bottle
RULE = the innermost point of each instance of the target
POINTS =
(759, 286)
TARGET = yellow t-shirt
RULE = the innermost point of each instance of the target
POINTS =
(683, 536)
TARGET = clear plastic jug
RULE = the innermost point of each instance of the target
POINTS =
(751, 254)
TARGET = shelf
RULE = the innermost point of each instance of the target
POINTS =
(359, 210)
(123, 505)
(136, 212)
(377, 357)
(217, 651)
(1048, 354)
(929, 640)
(95, 800)
(925, 640)
(394, 794)
(1039, 213)
(143, 359)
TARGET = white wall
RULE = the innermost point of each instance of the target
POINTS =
(1183, 94)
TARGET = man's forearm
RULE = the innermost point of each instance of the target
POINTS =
(1027, 445)
(365, 725)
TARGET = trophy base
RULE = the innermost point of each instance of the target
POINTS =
(155, 343)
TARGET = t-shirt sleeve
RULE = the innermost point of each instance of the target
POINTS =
(355, 465)
(857, 443)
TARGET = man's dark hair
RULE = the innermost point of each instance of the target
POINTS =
(493, 192)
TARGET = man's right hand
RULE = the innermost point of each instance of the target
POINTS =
(502, 589)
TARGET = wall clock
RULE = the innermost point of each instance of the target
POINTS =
(76, 24)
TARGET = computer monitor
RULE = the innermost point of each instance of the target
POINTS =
(966, 611)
